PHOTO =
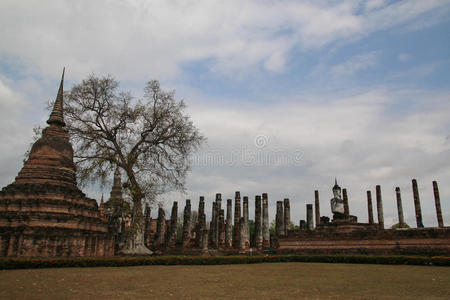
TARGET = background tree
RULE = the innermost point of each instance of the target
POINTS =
(149, 139)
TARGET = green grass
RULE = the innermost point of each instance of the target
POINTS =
(254, 281)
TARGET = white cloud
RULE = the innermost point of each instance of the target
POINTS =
(356, 63)
(15, 133)
(375, 4)
(276, 62)
(358, 139)
(154, 39)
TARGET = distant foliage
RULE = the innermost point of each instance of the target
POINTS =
(398, 225)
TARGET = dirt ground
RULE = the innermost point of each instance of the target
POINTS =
(256, 281)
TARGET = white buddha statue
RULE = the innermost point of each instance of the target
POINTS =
(337, 204)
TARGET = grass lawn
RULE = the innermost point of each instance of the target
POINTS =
(254, 281)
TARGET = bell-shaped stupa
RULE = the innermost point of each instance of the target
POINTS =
(43, 212)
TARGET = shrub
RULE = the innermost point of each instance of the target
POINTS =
(30, 263)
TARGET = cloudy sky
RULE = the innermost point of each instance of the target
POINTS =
(290, 94)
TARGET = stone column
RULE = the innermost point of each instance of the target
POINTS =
(160, 228)
(369, 206)
(437, 202)
(265, 221)
(237, 219)
(258, 223)
(147, 220)
(287, 216)
(201, 222)
(317, 204)
(242, 234)
(219, 201)
(217, 223)
(302, 225)
(417, 204)
(380, 208)
(204, 240)
(309, 217)
(212, 226)
(401, 220)
(279, 219)
(229, 225)
(246, 223)
(346, 208)
(172, 234)
(222, 229)
(187, 224)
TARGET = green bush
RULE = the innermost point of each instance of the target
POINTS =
(30, 263)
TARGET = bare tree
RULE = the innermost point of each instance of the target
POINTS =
(149, 139)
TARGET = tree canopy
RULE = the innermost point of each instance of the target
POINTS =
(150, 139)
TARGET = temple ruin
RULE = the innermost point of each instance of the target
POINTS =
(43, 213)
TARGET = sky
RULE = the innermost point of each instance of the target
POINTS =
(289, 94)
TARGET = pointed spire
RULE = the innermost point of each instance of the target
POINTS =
(336, 186)
(56, 116)
(117, 178)
(101, 202)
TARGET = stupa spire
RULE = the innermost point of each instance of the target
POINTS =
(56, 116)
(117, 178)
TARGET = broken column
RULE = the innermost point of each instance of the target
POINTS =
(213, 226)
(302, 225)
(346, 208)
(317, 205)
(279, 219)
(172, 234)
(379, 208)
(437, 202)
(309, 217)
(229, 225)
(187, 224)
(201, 222)
(204, 241)
(401, 220)
(160, 228)
(369, 206)
(287, 216)
(246, 222)
(242, 234)
(258, 223)
(265, 221)
(417, 204)
(217, 223)
(221, 243)
(237, 219)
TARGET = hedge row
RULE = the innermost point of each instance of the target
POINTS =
(27, 263)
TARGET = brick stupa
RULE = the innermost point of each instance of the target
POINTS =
(43, 212)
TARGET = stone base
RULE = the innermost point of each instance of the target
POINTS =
(139, 250)
(54, 243)
(417, 241)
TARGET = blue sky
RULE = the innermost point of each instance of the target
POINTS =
(289, 94)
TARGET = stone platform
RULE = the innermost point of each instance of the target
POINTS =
(416, 241)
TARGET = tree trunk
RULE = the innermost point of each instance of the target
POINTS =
(135, 239)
